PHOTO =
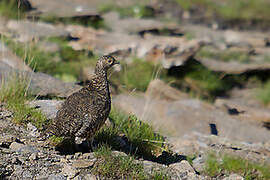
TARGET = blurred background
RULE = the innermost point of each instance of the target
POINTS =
(193, 69)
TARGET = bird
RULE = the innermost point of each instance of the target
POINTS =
(84, 112)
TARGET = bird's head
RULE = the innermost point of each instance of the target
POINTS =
(104, 63)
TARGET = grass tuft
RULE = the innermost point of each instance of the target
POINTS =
(14, 93)
(229, 164)
(117, 166)
(141, 136)
(68, 68)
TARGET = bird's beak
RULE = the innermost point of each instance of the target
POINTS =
(116, 62)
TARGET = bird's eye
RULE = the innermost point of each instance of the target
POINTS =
(110, 61)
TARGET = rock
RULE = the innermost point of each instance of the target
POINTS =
(27, 31)
(33, 130)
(40, 84)
(47, 107)
(69, 171)
(181, 117)
(33, 157)
(62, 9)
(233, 67)
(198, 163)
(16, 146)
(234, 177)
(244, 111)
(135, 25)
(57, 177)
(90, 177)
(7, 57)
(182, 166)
(157, 89)
(82, 163)
(169, 51)
(88, 156)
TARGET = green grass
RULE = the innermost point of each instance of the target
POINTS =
(141, 136)
(14, 94)
(230, 164)
(11, 9)
(138, 11)
(230, 9)
(121, 166)
(263, 93)
(224, 55)
(116, 166)
(69, 66)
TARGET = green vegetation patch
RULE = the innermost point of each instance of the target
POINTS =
(14, 94)
(230, 164)
(263, 93)
(14, 9)
(199, 81)
(117, 166)
(224, 55)
(141, 137)
(88, 21)
(120, 166)
(231, 9)
(65, 64)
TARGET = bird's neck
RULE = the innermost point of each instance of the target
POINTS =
(99, 82)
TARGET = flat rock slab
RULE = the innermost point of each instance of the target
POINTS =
(233, 67)
(39, 83)
(182, 116)
(27, 30)
(135, 25)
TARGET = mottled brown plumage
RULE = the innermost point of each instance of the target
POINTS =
(84, 112)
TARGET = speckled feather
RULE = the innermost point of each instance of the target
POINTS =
(84, 112)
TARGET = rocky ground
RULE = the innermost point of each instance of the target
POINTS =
(232, 121)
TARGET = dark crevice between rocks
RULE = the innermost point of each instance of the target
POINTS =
(162, 32)
(266, 125)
